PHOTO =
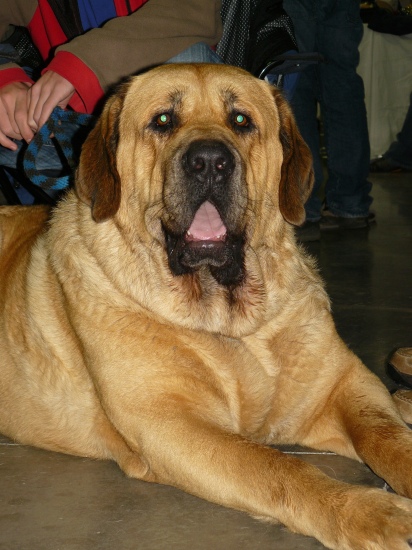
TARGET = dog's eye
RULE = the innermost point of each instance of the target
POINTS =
(163, 122)
(164, 119)
(241, 120)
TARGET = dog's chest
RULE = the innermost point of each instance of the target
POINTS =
(246, 386)
(263, 404)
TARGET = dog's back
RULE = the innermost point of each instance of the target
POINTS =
(19, 226)
(37, 347)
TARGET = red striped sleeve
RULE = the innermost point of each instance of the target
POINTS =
(126, 7)
(88, 89)
(45, 38)
(14, 74)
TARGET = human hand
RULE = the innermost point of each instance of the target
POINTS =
(13, 114)
(50, 91)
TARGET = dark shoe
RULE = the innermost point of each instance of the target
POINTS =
(308, 232)
(330, 222)
(383, 165)
(400, 366)
(403, 402)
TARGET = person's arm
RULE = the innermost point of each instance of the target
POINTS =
(13, 114)
(50, 91)
(83, 69)
(154, 33)
(14, 82)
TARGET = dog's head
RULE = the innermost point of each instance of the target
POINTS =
(204, 158)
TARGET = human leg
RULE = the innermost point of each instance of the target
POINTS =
(197, 53)
(398, 157)
(304, 106)
(305, 97)
(48, 158)
(48, 161)
(343, 111)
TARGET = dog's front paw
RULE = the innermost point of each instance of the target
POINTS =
(375, 520)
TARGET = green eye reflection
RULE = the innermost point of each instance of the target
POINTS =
(163, 119)
(241, 120)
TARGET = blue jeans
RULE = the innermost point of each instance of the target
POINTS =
(198, 53)
(48, 157)
(400, 151)
(334, 29)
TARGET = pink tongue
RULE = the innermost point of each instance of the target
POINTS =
(207, 224)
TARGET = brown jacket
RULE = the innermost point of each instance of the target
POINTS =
(94, 61)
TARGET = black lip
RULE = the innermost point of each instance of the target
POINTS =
(225, 259)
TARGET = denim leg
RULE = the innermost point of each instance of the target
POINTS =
(197, 53)
(48, 157)
(334, 29)
(400, 150)
(8, 54)
(304, 105)
(304, 101)
(344, 113)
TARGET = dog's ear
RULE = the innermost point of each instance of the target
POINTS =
(97, 180)
(297, 169)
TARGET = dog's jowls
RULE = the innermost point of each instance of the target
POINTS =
(164, 317)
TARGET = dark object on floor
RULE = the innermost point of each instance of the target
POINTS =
(385, 166)
(310, 231)
(330, 222)
(403, 400)
(400, 367)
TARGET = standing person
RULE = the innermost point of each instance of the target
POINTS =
(398, 158)
(334, 29)
(87, 46)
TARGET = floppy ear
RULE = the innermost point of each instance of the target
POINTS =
(97, 180)
(297, 170)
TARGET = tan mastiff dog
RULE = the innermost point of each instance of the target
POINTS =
(164, 317)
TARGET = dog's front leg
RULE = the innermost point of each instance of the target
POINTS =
(188, 452)
(374, 428)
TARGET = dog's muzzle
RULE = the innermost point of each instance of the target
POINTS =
(207, 236)
(209, 163)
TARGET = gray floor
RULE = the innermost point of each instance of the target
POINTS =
(50, 501)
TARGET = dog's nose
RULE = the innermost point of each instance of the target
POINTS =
(208, 161)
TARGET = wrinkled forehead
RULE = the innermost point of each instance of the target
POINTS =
(199, 89)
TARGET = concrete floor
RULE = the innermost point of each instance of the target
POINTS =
(50, 501)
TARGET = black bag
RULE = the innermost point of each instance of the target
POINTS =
(28, 54)
(258, 35)
(254, 31)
